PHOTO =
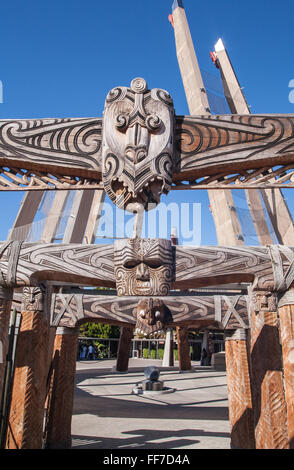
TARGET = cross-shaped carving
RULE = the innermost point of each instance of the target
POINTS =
(141, 149)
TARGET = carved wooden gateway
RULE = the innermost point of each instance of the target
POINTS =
(139, 150)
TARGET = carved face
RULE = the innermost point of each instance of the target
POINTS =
(263, 301)
(32, 299)
(143, 266)
(137, 145)
(150, 316)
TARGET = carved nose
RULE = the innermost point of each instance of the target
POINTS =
(142, 273)
(136, 142)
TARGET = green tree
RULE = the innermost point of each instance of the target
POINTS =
(99, 330)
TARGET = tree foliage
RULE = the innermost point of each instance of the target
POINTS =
(99, 330)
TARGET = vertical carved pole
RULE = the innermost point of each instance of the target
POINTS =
(58, 434)
(5, 309)
(124, 348)
(268, 397)
(286, 314)
(183, 348)
(29, 386)
(239, 392)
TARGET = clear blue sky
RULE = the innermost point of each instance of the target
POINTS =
(60, 58)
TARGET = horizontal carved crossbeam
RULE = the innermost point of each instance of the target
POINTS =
(201, 310)
(217, 311)
(146, 267)
(140, 150)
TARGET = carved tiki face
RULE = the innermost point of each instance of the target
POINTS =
(150, 316)
(32, 299)
(137, 145)
(143, 266)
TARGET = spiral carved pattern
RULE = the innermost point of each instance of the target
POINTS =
(71, 143)
(205, 145)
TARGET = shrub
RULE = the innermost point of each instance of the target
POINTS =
(160, 353)
(145, 353)
(153, 354)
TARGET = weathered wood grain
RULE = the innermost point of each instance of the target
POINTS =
(219, 311)
(268, 399)
(58, 429)
(212, 144)
(85, 264)
(286, 316)
(71, 145)
(206, 152)
(29, 386)
(270, 268)
(239, 391)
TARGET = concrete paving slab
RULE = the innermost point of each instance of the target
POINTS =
(107, 415)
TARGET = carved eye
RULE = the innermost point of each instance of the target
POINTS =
(157, 314)
(153, 122)
(154, 264)
(121, 121)
(142, 314)
(131, 264)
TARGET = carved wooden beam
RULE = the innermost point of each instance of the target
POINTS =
(71, 145)
(269, 268)
(25, 264)
(140, 150)
(218, 311)
(224, 145)
(146, 267)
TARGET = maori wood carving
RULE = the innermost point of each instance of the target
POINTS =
(143, 266)
(74, 263)
(146, 267)
(216, 311)
(140, 149)
(219, 146)
(137, 145)
(268, 268)
(49, 153)
(32, 299)
(151, 316)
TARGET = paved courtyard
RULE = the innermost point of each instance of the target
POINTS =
(107, 415)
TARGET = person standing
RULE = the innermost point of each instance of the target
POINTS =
(91, 352)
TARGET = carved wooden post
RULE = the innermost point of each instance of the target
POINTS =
(239, 392)
(58, 434)
(286, 314)
(267, 388)
(124, 348)
(183, 348)
(29, 387)
(5, 308)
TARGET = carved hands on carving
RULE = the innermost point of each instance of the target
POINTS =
(150, 316)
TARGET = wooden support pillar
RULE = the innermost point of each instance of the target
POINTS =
(29, 387)
(239, 391)
(286, 314)
(25, 217)
(183, 348)
(227, 224)
(269, 406)
(124, 348)
(58, 430)
(5, 309)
